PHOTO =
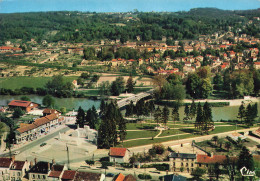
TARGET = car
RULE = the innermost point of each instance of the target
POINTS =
(110, 175)
(16, 152)
(43, 144)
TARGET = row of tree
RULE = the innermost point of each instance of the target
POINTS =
(89, 117)
(247, 114)
(204, 121)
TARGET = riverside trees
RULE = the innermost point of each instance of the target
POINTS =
(247, 114)
(204, 120)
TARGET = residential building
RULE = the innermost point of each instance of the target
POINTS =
(204, 161)
(56, 172)
(174, 177)
(48, 111)
(24, 105)
(5, 164)
(18, 170)
(121, 177)
(40, 171)
(182, 162)
(119, 155)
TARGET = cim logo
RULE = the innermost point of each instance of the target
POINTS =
(245, 172)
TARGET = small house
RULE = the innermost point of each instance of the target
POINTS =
(24, 105)
(119, 155)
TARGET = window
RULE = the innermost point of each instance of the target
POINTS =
(33, 176)
(18, 174)
(192, 165)
(182, 164)
(187, 164)
(39, 176)
(43, 176)
(199, 164)
(174, 164)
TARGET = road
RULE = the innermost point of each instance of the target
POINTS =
(38, 141)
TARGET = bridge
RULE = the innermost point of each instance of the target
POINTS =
(123, 102)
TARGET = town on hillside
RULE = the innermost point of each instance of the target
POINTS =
(130, 96)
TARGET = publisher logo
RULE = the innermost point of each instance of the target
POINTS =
(246, 172)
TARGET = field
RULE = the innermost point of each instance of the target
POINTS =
(19, 82)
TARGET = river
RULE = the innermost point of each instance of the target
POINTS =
(69, 103)
(218, 113)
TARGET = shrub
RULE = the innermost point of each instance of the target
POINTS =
(144, 176)
(105, 164)
(90, 162)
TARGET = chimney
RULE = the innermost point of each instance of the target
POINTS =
(49, 166)
(211, 155)
(13, 158)
(35, 161)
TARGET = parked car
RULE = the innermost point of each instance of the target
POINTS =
(110, 175)
(16, 152)
(43, 144)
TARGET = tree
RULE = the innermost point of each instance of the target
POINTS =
(25, 98)
(63, 110)
(104, 88)
(80, 118)
(91, 118)
(102, 108)
(157, 115)
(18, 112)
(165, 114)
(215, 139)
(129, 109)
(117, 86)
(130, 85)
(207, 117)
(199, 118)
(245, 159)
(241, 112)
(249, 121)
(193, 109)
(122, 129)
(175, 113)
(187, 111)
(227, 145)
(48, 101)
(197, 173)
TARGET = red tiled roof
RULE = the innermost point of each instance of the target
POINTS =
(41, 121)
(117, 151)
(17, 165)
(19, 103)
(51, 117)
(5, 162)
(130, 178)
(50, 111)
(120, 177)
(87, 176)
(68, 174)
(210, 160)
(26, 128)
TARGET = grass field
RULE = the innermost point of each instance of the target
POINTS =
(141, 134)
(19, 82)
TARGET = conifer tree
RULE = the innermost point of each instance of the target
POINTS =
(193, 109)
(102, 108)
(245, 159)
(199, 117)
(80, 118)
(249, 121)
(241, 112)
(130, 85)
(187, 111)
(157, 115)
(165, 115)
(207, 117)
(175, 113)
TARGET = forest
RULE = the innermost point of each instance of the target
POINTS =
(91, 26)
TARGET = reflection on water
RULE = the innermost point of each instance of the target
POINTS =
(69, 103)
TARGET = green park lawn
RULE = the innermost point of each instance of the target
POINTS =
(138, 126)
(34, 82)
(141, 134)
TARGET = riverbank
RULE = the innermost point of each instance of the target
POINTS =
(232, 102)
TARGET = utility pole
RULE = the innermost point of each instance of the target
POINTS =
(68, 156)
